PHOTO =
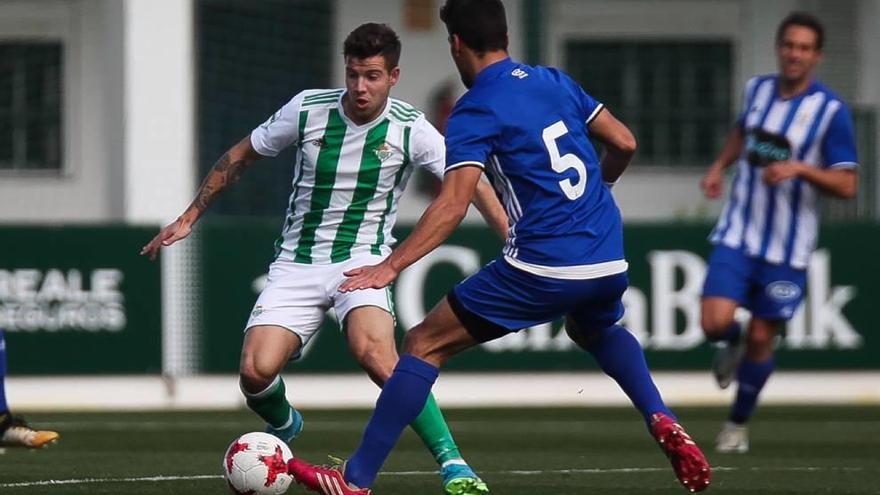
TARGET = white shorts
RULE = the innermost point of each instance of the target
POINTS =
(297, 296)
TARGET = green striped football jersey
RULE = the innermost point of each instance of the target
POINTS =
(347, 178)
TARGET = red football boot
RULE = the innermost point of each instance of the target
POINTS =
(688, 462)
(322, 479)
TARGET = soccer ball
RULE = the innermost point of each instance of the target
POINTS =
(256, 464)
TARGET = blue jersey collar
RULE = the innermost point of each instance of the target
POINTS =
(494, 70)
(812, 88)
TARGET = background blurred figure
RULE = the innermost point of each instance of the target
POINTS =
(441, 100)
(14, 431)
(793, 140)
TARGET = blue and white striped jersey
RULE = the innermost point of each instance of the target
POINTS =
(780, 223)
(527, 126)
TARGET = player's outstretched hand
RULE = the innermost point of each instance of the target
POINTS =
(172, 233)
(712, 183)
(369, 277)
(777, 172)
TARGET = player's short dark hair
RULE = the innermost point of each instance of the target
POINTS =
(371, 39)
(481, 24)
(801, 19)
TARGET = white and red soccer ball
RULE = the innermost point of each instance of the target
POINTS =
(256, 464)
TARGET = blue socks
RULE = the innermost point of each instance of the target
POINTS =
(731, 335)
(404, 395)
(621, 357)
(752, 377)
(402, 399)
(3, 406)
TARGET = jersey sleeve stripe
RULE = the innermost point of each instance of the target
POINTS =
(404, 109)
(595, 113)
(844, 165)
(319, 101)
(401, 117)
(465, 164)
(323, 94)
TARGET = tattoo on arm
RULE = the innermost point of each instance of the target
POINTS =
(224, 174)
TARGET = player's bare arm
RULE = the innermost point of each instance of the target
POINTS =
(620, 145)
(713, 181)
(436, 224)
(225, 172)
(490, 208)
(840, 183)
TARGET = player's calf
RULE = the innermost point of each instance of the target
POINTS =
(726, 361)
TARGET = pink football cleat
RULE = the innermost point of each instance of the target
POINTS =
(688, 462)
(322, 479)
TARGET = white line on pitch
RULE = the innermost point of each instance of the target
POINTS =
(83, 481)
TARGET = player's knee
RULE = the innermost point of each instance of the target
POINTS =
(584, 340)
(715, 324)
(760, 339)
(589, 338)
(256, 375)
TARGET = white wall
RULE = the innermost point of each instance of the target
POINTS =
(129, 91)
(159, 109)
(160, 166)
(112, 50)
(127, 111)
(91, 112)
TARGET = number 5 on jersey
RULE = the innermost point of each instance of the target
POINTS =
(562, 163)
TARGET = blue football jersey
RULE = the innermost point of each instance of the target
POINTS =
(527, 127)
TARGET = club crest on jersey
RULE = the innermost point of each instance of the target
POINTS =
(783, 291)
(383, 152)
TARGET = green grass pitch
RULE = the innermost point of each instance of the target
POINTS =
(795, 450)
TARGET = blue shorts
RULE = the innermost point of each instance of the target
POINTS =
(771, 292)
(500, 299)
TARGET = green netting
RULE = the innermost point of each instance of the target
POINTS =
(252, 58)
